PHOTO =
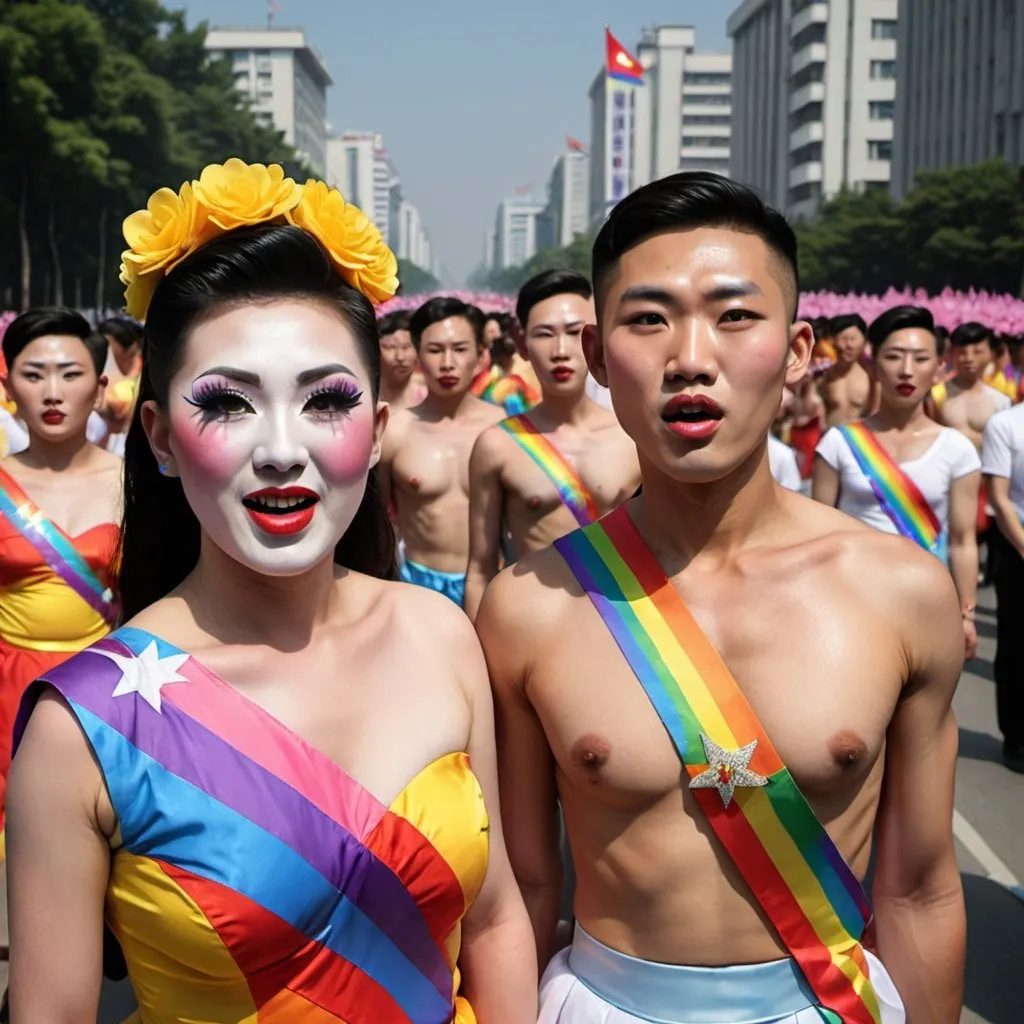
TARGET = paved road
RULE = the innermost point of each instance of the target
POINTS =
(990, 846)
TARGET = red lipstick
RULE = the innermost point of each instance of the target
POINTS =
(448, 382)
(54, 417)
(281, 511)
(906, 390)
(695, 417)
(563, 373)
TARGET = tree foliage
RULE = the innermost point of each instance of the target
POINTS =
(961, 228)
(102, 102)
(574, 256)
(414, 280)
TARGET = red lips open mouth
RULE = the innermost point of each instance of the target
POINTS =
(448, 382)
(281, 510)
(695, 417)
(563, 373)
(906, 390)
(53, 417)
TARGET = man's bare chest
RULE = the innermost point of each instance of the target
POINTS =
(434, 463)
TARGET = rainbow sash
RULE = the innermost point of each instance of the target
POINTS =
(556, 467)
(512, 393)
(900, 498)
(786, 857)
(276, 873)
(56, 548)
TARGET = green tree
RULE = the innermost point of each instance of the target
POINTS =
(414, 280)
(574, 256)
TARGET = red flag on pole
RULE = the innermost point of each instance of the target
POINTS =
(575, 144)
(521, 190)
(622, 65)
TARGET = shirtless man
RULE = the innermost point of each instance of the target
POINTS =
(424, 468)
(846, 387)
(795, 615)
(530, 485)
(400, 386)
(968, 403)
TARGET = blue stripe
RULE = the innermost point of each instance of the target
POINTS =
(169, 819)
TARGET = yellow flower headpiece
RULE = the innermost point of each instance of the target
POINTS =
(233, 194)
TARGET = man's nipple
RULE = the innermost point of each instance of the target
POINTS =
(591, 752)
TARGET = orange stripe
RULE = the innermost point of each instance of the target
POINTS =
(273, 956)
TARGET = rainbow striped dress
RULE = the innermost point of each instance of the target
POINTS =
(252, 879)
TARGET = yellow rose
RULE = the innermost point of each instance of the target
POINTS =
(160, 236)
(351, 239)
(236, 193)
(139, 292)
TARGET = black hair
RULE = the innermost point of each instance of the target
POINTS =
(692, 199)
(161, 536)
(822, 326)
(943, 335)
(44, 320)
(397, 321)
(435, 310)
(970, 334)
(545, 285)
(123, 331)
(901, 318)
(846, 321)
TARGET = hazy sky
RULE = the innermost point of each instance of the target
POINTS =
(473, 97)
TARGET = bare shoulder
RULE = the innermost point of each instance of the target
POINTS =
(492, 446)
(107, 462)
(490, 413)
(426, 620)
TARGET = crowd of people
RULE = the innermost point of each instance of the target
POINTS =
(629, 762)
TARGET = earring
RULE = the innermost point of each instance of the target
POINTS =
(163, 468)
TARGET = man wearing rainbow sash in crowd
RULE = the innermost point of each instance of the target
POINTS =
(900, 471)
(565, 463)
(716, 677)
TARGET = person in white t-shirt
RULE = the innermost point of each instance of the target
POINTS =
(783, 464)
(939, 460)
(1002, 462)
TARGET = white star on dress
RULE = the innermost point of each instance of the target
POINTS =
(727, 770)
(146, 673)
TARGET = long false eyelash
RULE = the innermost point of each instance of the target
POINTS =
(344, 391)
(205, 395)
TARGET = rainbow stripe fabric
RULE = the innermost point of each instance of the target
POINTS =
(255, 880)
(558, 469)
(56, 547)
(786, 857)
(512, 393)
(900, 498)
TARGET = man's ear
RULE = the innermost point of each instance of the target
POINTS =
(593, 350)
(801, 347)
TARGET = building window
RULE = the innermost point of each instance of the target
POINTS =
(706, 119)
(810, 113)
(879, 149)
(705, 78)
(814, 33)
(883, 69)
(811, 73)
(883, 28)
(808, 154)
(808, 190)
(352, 166)
(707, 99)
(705, 141)
(881, 110)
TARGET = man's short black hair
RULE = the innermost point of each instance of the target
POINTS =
(822, 327)
(901, 318)
(846, 321)
(121, 330)
(970, 334)
(435, 310)
(397, 321)
(693, 199)
(44, 320)
(547, 284)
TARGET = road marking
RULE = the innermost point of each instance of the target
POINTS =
(994, 867)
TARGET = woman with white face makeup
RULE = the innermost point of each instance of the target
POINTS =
(263, 781)
(900, 471)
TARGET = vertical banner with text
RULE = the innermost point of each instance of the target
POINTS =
(623, 73)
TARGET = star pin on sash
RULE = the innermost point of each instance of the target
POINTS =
(752, 802)
(901, 499)
(556, 467)
(56, 548)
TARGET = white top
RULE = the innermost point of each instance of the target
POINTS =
(950, 457)
(1003, 454)
(15, 433)
(782, 460)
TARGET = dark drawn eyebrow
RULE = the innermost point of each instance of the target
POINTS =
(319, 372)
(60, 366)
(648, 293)
(551, 327)
(232, 373)
(733, 290)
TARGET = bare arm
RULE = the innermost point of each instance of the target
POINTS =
(1006, 515)
(498, 957)
(526, 766)
(388, 450)
(825, 483)
(963, 551)
(921, 922)
(485, 515)
(57, 870)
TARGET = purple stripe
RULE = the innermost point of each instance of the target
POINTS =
(196, 755)
(850, 882)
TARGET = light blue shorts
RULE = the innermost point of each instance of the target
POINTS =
(451, 584)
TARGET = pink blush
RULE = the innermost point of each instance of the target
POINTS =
(208, 448)
(345, 453)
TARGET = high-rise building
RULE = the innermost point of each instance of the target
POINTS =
(678, 119)
(814, 90)
(567, 211)
(286, 81)
(515, 231)
(359, 165)
(960, 86)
